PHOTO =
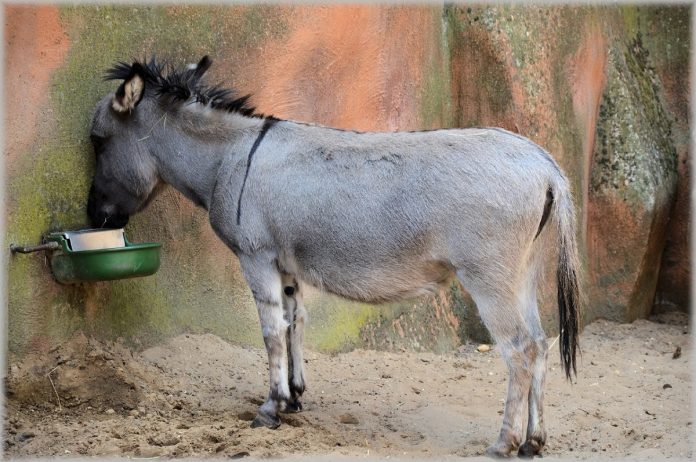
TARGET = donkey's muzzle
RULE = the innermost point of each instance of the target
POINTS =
(102, 214)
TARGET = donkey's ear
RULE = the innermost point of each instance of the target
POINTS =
(130, 92)
(202, 66)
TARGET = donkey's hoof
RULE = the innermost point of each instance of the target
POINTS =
(293, 406)
(530, 448)
(297, 388)
(263, 420)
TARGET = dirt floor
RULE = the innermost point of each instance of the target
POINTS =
(196, 395)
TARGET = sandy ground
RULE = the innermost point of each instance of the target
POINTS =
(195, 396)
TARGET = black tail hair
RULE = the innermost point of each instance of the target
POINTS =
(568, 301)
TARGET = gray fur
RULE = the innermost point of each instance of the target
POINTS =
(373, 217)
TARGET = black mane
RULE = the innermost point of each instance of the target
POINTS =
(183, 84)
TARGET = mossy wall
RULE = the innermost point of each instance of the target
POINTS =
(408, 68)
(48, 183)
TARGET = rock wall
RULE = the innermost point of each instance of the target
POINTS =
(603, 89)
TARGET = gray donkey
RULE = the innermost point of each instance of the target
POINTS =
(373, 217)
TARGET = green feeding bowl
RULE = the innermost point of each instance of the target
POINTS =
(100, 255)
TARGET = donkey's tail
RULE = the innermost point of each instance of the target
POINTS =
(567, 274)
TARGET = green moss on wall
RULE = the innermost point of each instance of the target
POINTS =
(481, 86)
(435, 99)
(634, 150)
(335, 324)
(422, 324)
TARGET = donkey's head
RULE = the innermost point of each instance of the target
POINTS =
(129, 135)
(126, 173)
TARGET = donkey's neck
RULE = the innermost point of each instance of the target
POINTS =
(193, 146)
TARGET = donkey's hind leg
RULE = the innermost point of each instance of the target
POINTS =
(264, 280)
(501, 312)
(536, 431)
(295, 315)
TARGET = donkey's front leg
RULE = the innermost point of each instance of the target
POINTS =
(264, 280)
(296, 315)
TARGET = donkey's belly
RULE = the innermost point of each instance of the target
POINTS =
(375, 283)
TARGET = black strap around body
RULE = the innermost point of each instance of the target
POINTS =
(267, 124)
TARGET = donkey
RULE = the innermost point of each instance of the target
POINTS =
(373, 217)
